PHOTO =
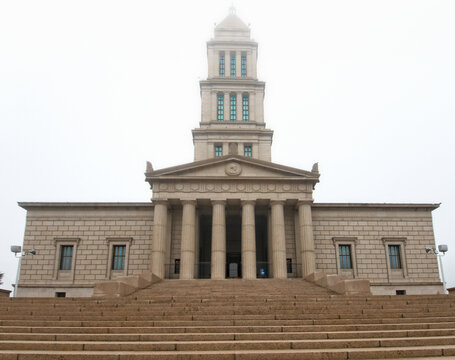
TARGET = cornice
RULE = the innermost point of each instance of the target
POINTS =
(95, 205)
(236, 43)
(227, 81)
(376, 205)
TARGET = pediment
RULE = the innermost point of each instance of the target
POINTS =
(232, 167)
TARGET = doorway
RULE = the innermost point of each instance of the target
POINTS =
(233, 246)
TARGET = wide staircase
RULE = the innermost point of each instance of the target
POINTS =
(228, 319)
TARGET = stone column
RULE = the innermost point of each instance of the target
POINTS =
(278, 240)
(218, 262)
(188, 244)
(248, 241)
(159, 238)
(306, 239)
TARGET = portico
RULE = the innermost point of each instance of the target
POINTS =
(216, 204)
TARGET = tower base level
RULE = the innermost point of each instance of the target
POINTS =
(229, 319)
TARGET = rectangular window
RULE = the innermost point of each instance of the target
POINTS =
(220, 107)
(232, 64)
(345, 256)
(118, 257)
(243, 65)
(245, 108)
(394, 256)
(221, 65)
(177, 266)
(289, 266)
(66, 257)
(233, 107)
(247, 150)
(218, 150)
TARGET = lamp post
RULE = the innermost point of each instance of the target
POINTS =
(441, 249)
(17, 250)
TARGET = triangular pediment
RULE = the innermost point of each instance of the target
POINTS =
(234, 167)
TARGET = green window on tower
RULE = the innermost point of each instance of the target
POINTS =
(243, 65)
(118, 257)
(345, 256)
(232, 64)
(66, 257)
(222, 64)
(245, 107)
(218, 150)
(247, 151)
(220, 107)
(394, 256)
(233, 101)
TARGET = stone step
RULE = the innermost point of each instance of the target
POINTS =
(408, 352)
(227, 336)
(144, 345)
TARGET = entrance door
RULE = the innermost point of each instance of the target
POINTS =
(233, 245)
(233, 265)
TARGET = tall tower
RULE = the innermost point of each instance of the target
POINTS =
(232, 97)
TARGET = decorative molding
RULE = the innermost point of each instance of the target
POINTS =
(233, 187)
(60, 240)
(125, 240)
(391, 240)
(337, 239)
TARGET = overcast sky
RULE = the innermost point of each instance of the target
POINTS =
(90, 90)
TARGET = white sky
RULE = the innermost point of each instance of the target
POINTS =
(90, 90)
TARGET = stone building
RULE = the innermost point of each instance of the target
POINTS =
(231, 213)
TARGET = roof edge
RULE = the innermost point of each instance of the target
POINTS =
(35, 205)
(378, 205)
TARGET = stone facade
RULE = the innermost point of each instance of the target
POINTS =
(230, 213)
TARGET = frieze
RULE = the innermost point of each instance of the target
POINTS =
(233, 187)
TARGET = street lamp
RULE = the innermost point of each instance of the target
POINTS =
(17, 250)
(441, 249)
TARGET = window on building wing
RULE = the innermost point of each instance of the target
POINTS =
(395, 256)
(345, 256)
(247, 150)
(221, 64)
(66, 257)
(220, 107)
(245, 107)
(233, 64)
(118, 257)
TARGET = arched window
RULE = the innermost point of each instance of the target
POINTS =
(233, 107)
(245, 107)
(220, 107)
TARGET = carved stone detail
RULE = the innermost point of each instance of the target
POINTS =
(233, 169)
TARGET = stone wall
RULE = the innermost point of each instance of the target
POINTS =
(92, 231)
(370, 230)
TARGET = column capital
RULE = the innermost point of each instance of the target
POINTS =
(160, 202)
(304, 202)
(188, 202)
(219, 202)
(277, 202)
(248, 202)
